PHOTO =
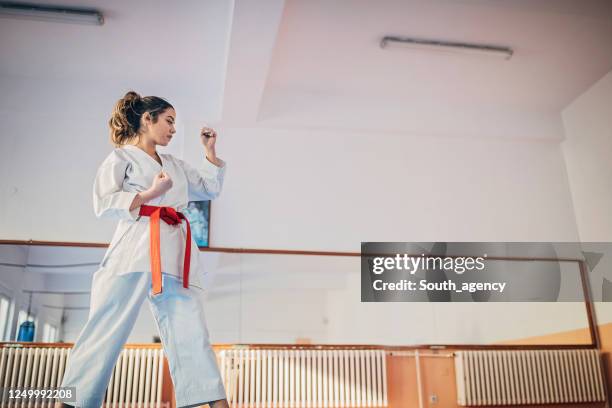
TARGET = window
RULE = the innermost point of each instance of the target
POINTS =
(49, 333)
(4, 316)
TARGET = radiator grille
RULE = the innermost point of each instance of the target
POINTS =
(305, 378)
(516, 377)
(136, 380)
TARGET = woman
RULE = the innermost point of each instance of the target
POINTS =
(150, 256)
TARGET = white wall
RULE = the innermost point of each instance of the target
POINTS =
(309, 189)
(587, 150)
(331, 190)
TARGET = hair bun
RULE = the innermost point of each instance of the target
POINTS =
(131, 97)
(125, 119)
(131, 100)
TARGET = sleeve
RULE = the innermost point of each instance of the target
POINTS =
(205, 184)
(109, 199)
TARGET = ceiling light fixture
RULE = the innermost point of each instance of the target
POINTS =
(29, 11)
(446, 46)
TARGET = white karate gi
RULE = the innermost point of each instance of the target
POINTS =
(124, 280)
(129, 170)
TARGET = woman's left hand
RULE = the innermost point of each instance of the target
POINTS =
(208, 136)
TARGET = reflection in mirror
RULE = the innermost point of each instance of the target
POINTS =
(272, 298)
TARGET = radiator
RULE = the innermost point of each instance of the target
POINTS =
(135, 383)
(517, 377)
(137, 379)
(304, 378)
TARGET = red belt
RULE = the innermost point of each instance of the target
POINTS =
(171, 217)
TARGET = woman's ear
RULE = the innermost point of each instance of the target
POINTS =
(146, 120)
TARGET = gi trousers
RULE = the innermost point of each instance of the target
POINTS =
(115, 303)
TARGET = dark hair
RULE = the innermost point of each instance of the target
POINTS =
(125, 121)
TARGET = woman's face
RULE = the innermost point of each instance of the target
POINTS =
(161, 132)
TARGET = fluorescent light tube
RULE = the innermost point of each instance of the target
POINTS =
(60, 14)
(446, 46)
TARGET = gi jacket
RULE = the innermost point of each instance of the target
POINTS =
(129, 170)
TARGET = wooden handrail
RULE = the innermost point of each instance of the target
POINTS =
(275, 251)
(261, 346)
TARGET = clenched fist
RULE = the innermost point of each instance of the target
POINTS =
(161, 183)
(208, 136)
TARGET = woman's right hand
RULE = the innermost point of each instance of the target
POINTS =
(161, 183)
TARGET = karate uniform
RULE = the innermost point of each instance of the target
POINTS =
(124, 280)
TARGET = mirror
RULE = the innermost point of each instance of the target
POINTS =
(272, 298)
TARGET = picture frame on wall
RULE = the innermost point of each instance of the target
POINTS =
(198, 215)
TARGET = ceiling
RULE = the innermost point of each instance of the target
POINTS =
(318, 64)
(176, 49)
(323, 67)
